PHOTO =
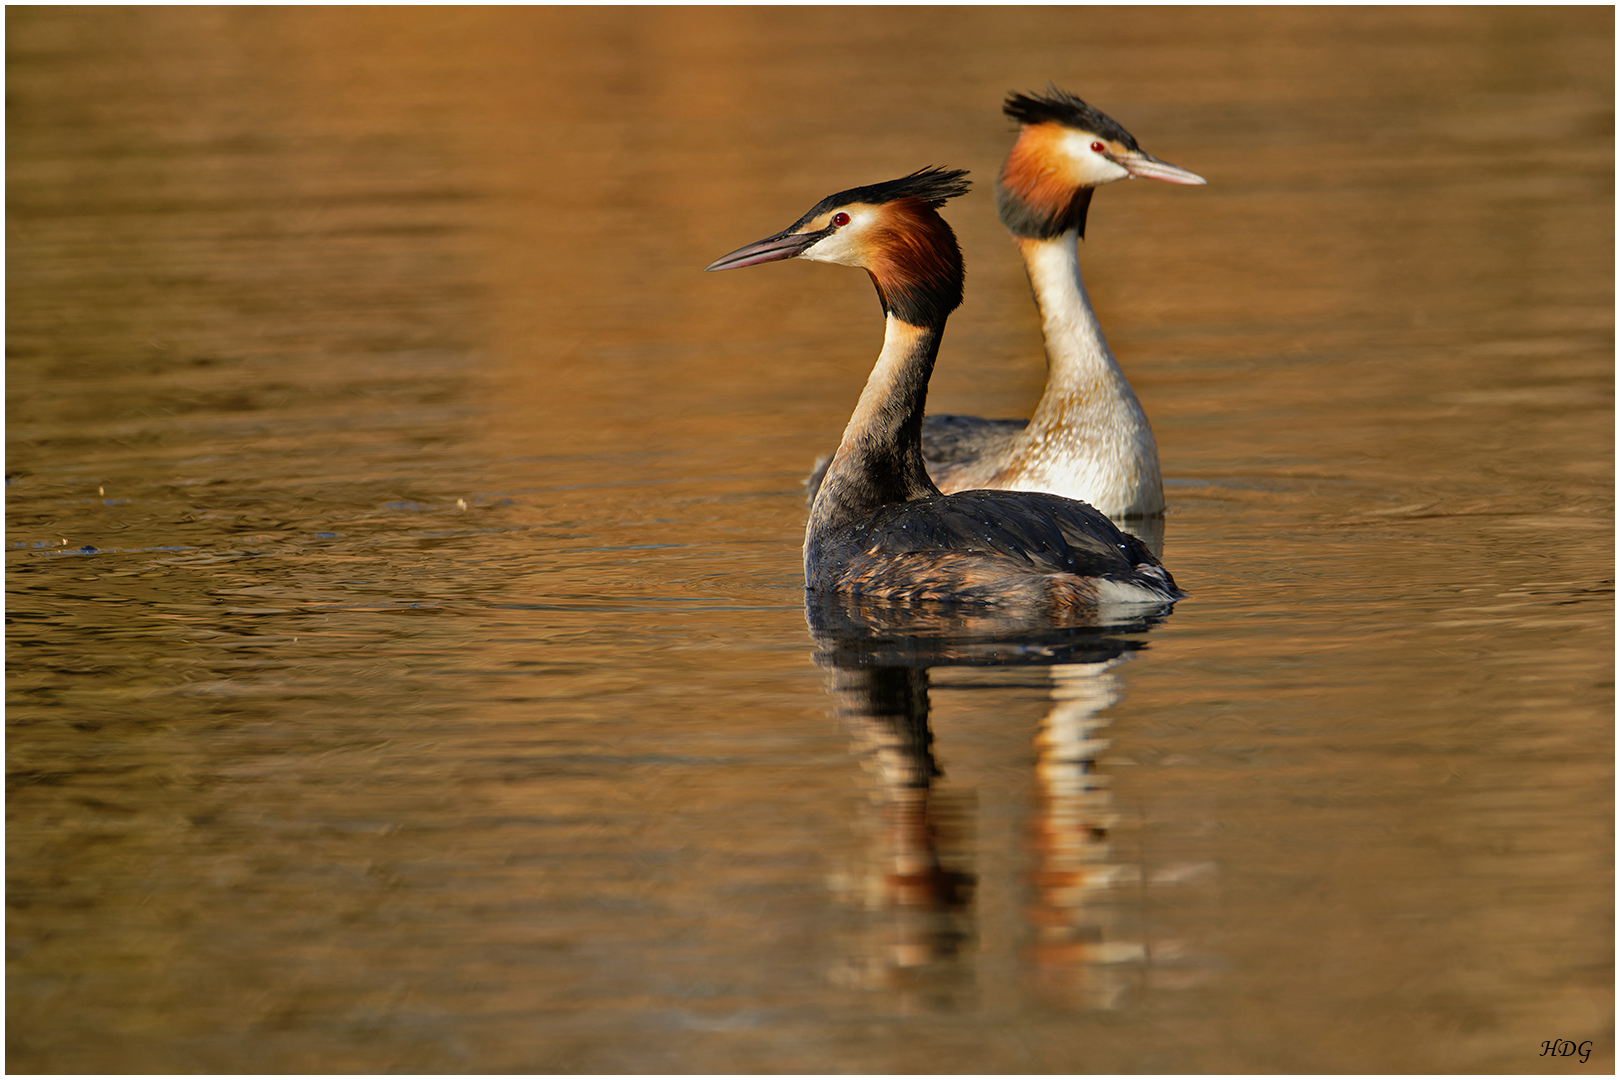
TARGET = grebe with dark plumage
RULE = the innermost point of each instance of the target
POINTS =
(1088, 437)
(879, 527)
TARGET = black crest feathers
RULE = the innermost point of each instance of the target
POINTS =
(1061, 107)
(932, 185)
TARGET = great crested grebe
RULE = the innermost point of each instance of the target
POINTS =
(879, 527)
(1088, 438)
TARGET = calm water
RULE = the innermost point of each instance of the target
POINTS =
(408, 663)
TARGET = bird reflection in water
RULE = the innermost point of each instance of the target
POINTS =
(915, 872)
(922, 871)
(1078, 949)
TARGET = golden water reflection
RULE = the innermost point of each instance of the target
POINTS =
(1084, 921)
(406, 646)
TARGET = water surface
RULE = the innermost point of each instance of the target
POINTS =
(408, 663)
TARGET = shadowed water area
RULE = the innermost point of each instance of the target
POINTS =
(408, 662)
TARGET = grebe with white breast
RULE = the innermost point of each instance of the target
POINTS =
(1088, 437)
(879, 527)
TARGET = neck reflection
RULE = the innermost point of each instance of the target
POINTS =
(918, 886)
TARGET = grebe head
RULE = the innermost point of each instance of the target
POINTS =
(1065, 150)
(892, 230)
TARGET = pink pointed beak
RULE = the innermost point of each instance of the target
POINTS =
(785, 245)
(1147, 167)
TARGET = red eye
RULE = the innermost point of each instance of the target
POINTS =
(1098, 148)
(840, 218)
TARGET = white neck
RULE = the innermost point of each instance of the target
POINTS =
(1088, 437)
(1076, 352)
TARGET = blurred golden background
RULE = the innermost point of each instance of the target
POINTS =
(407, 662)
